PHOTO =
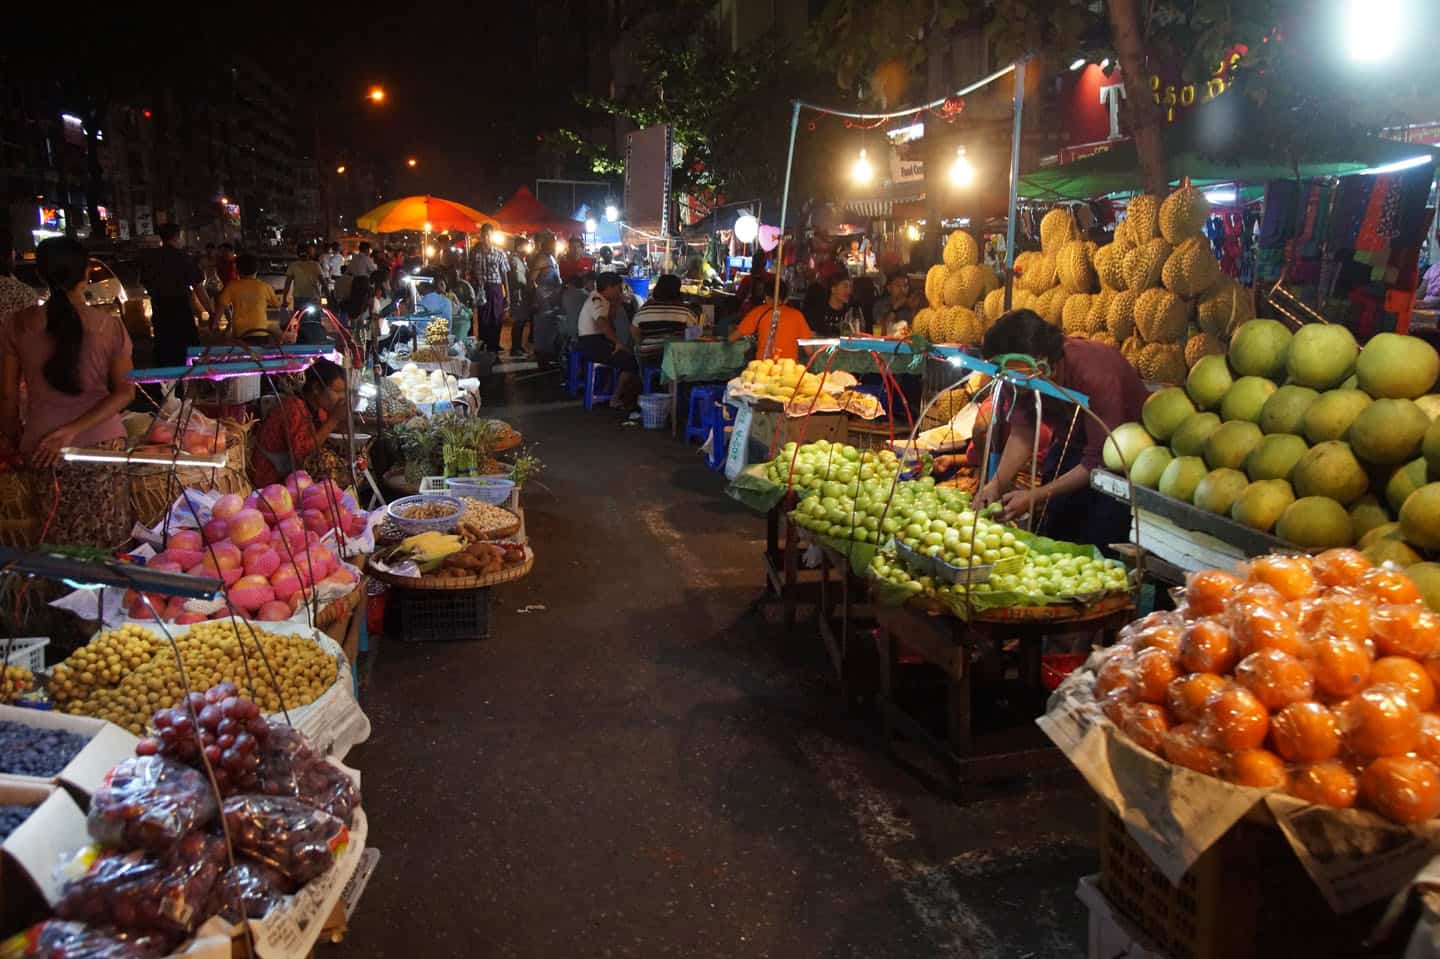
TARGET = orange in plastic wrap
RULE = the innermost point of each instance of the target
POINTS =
(1401, 788)
(1409, 675)
(1289, 576)
(1256, 594)
(1115, 703)
(1325, 784)
(1186, 745)
(1276, 678)
(1114, 673)
(1154, 670)
(1260, 628)
(1164, 636)
(1207, 592)
(1429, 748)
(1259, 768)
(1236, 720)
(1341, 666)
(1407, 630)
(1305, 733)
(1145, 724)
(1189, 695)
(1346, 614)
(1380, 721)
(1207, 647)
(1340, 567)
(1389, 584)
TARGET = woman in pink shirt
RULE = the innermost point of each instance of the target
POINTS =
(72, 360)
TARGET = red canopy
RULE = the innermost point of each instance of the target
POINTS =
(525, 214)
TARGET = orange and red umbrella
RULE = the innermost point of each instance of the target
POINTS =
(424, 213)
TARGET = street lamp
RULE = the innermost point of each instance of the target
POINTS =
(590, 225)
(411, 162)
(746, 228)
(1077, 63)
(376, 95)
(863, 171)
(340, 169)
(961, 172)
(1372, 28)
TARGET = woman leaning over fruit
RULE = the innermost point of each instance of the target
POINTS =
(292, 436)
(71, 361)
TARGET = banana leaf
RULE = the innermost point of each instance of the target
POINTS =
(859, 554)
(752, 488)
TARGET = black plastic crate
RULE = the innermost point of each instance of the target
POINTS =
(437, 615)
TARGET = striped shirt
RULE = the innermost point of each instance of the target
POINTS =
(653, 312)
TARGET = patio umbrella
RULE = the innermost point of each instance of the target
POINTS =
(523, 213)
(414, 212)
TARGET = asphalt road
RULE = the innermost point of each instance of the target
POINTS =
(641, 762)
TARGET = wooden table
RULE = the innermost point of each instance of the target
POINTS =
(960, 650)
(782, 563)
(846, 619)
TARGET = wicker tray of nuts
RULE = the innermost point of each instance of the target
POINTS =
(481, 521)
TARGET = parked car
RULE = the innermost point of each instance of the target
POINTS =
(116, 289)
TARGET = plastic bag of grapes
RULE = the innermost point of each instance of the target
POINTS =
(248, 890)
(149, 802)
(297, 840)
(57, 939)
(135, 891)
(289, 767)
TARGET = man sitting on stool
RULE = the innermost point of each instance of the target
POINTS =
(599, 343)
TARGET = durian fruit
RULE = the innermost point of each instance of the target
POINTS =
(924, 322)
(1183, 214)
(1191, 269)
(1074, 270)
(1201, 345)
(1075, 314)
(1160, 316)
(1041, 275)
(1120, 319)
(1097, 321)
(1143, 215)
(1221, 310)
(1109, 264)
(1022, 299)
(953, 292)
(961, 250)
(1050, 304)
(935, 286)
(994, 305)
(1056, 229)
(972, 281)
(1131, 348)
(966, 327)
(1105, 338)
(1162, 363)
(1145, 264)
(1124, 240)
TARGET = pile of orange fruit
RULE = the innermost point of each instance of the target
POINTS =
(1312, 675)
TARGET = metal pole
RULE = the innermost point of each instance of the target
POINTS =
(780, 247)
(1014, 182)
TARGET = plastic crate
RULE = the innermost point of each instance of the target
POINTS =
(440, 615)
(1246, 896)
(26, 651)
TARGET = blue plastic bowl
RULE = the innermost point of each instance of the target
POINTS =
(412, 526)
(487, 489)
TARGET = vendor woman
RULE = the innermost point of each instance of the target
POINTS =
(1065, 505)
(293, 435)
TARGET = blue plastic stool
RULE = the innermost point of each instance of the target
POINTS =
(702, 401)
(594, 391)
(574, 364)
(721, 416)
(650, 379)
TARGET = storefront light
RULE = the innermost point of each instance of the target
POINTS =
(1373, 28)
(747, 228)
(612, 213)
(862, 171)
(961, 172)
(1077, 63)
(590, 225)
(912, 233)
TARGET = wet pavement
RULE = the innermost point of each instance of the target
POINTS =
(640, 761)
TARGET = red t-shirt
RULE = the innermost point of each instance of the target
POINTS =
(1116, 395)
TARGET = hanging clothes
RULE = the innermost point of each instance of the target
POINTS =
(1352, 199)
(1278, 226)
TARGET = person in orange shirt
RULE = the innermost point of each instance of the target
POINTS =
(788, 332)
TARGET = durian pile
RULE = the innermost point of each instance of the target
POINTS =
(1156, 292)
(954, 291)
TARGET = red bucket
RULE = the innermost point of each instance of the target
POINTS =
(1054, 667)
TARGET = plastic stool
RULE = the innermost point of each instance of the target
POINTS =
(650, 379)
(721, 417)
(595, 392)
(573, 382)
(697, 421)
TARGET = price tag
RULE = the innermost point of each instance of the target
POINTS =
(738, 453)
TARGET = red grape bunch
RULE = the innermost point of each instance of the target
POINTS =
(231, 732)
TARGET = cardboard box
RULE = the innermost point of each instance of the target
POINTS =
(108, 745)
(29, 856)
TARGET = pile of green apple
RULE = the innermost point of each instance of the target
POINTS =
(847, 488)
(1061, 574)
(939, 522)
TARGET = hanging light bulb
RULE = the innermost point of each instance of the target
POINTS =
(961, 172)
(912, 232)
(863, 171)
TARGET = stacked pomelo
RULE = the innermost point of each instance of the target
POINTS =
(1314, 676)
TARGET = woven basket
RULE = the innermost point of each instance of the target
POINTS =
(154, 488)
(433, 583)
(337, 610)
(17, 495)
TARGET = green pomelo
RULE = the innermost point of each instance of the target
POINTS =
(1420, 517)
(1391, 549)
(1275, 457)
(1366, 513)
(1219, 490)
(1260, 348)
(1284, 411)
(1262, 504)
(1321, 355)
(1189, 439)
(1246, 399)
(1388, 432)
(1329, 417)
(1331, 470)
(1315, 522)
(1149, 465)
(1397, 367)
(1182, 476)
(1165, 410)
(1209, 381)
(1426, 577)
(1404, 481)
(1383, 531)
(1430, 404)
(1228, 446)
(1124, 444)
(1430, 447)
